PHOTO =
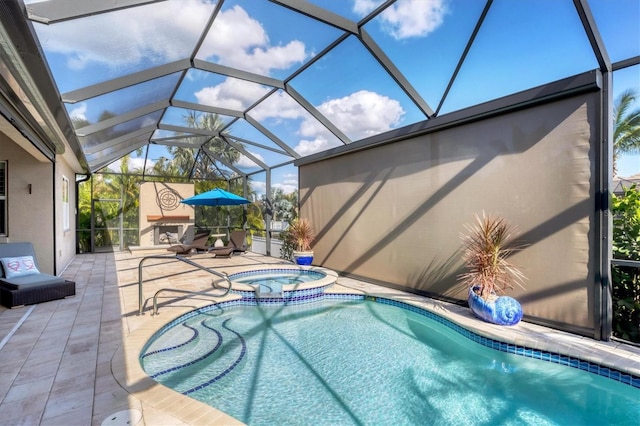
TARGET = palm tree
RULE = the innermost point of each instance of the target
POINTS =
(626, 126)
(184, 158)
(166, 168)
(126, 186)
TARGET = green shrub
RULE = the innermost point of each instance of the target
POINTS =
(626, 279)
(288, 245)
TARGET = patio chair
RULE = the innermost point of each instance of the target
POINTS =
(199, 243)
(22, 283)
(224, 251)
(236, 240)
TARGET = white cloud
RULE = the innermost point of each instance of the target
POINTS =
(245, 161)
(287, 189)
(115, 166)
(312, 128)
(79, 112)
(238, 40)
(288, 185)
(407, 18)
(290, 179)
(363, 7)
(363, 113)
(278, 105)
(314, 136)
(232, 94)
(147, 121)
(259, 187)
(134, 164)
(358, 115)
(311, 146)
(123, 38)
(233, 30)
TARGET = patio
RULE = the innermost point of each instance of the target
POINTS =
(73, 361)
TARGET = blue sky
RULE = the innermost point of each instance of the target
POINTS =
(522, 44)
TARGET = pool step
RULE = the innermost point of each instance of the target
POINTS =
(209, 353)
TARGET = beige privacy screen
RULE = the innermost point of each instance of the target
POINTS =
(394, 213)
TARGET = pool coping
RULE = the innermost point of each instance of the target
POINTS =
(128, 372)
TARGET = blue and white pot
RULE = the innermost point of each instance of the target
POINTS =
(504, 310)
(303, 257)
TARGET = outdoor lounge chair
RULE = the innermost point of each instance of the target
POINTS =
(236, 240)
(225, 251)
(21, 282)
(199, 243)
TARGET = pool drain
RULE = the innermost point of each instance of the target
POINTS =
(123, 418)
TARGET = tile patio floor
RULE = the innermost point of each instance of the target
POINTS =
(74, 361)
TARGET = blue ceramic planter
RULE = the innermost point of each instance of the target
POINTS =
(303, 258)
(504, 310)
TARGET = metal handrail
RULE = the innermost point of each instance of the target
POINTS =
(182, 259)
(624, 262)
(176, 290)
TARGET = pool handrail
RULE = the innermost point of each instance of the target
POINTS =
(177, 290)
(222, 275)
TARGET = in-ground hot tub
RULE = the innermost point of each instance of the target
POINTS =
(297, 282)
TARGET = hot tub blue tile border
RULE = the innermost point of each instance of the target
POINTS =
(319, 274)
(307, 297)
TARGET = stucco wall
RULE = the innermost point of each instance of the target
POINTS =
(160, 205)
(65, 239)
(30, 215)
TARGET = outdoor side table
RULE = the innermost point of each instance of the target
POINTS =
(218, 242)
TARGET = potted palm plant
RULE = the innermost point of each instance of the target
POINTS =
(487, 246)
(301, 233)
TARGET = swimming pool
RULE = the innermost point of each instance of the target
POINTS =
(351, 361)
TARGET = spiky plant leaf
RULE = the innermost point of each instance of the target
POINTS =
(302, 233)
(487, 245)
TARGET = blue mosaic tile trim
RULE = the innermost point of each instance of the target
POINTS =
(275, 301)
(193, 337)
(344, 296)
(290, 294)
(243, 352)
(200, 358)
(611, 373)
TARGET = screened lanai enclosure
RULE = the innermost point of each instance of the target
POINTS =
(389, 124)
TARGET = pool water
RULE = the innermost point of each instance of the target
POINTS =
(361, 362)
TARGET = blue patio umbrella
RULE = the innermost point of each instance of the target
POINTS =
(215, 197)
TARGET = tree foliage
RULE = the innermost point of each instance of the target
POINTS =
(285, 209)
(626, 279)
(194, 160)
(626, 126)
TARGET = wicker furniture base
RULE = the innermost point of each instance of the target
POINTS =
(12, 297)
